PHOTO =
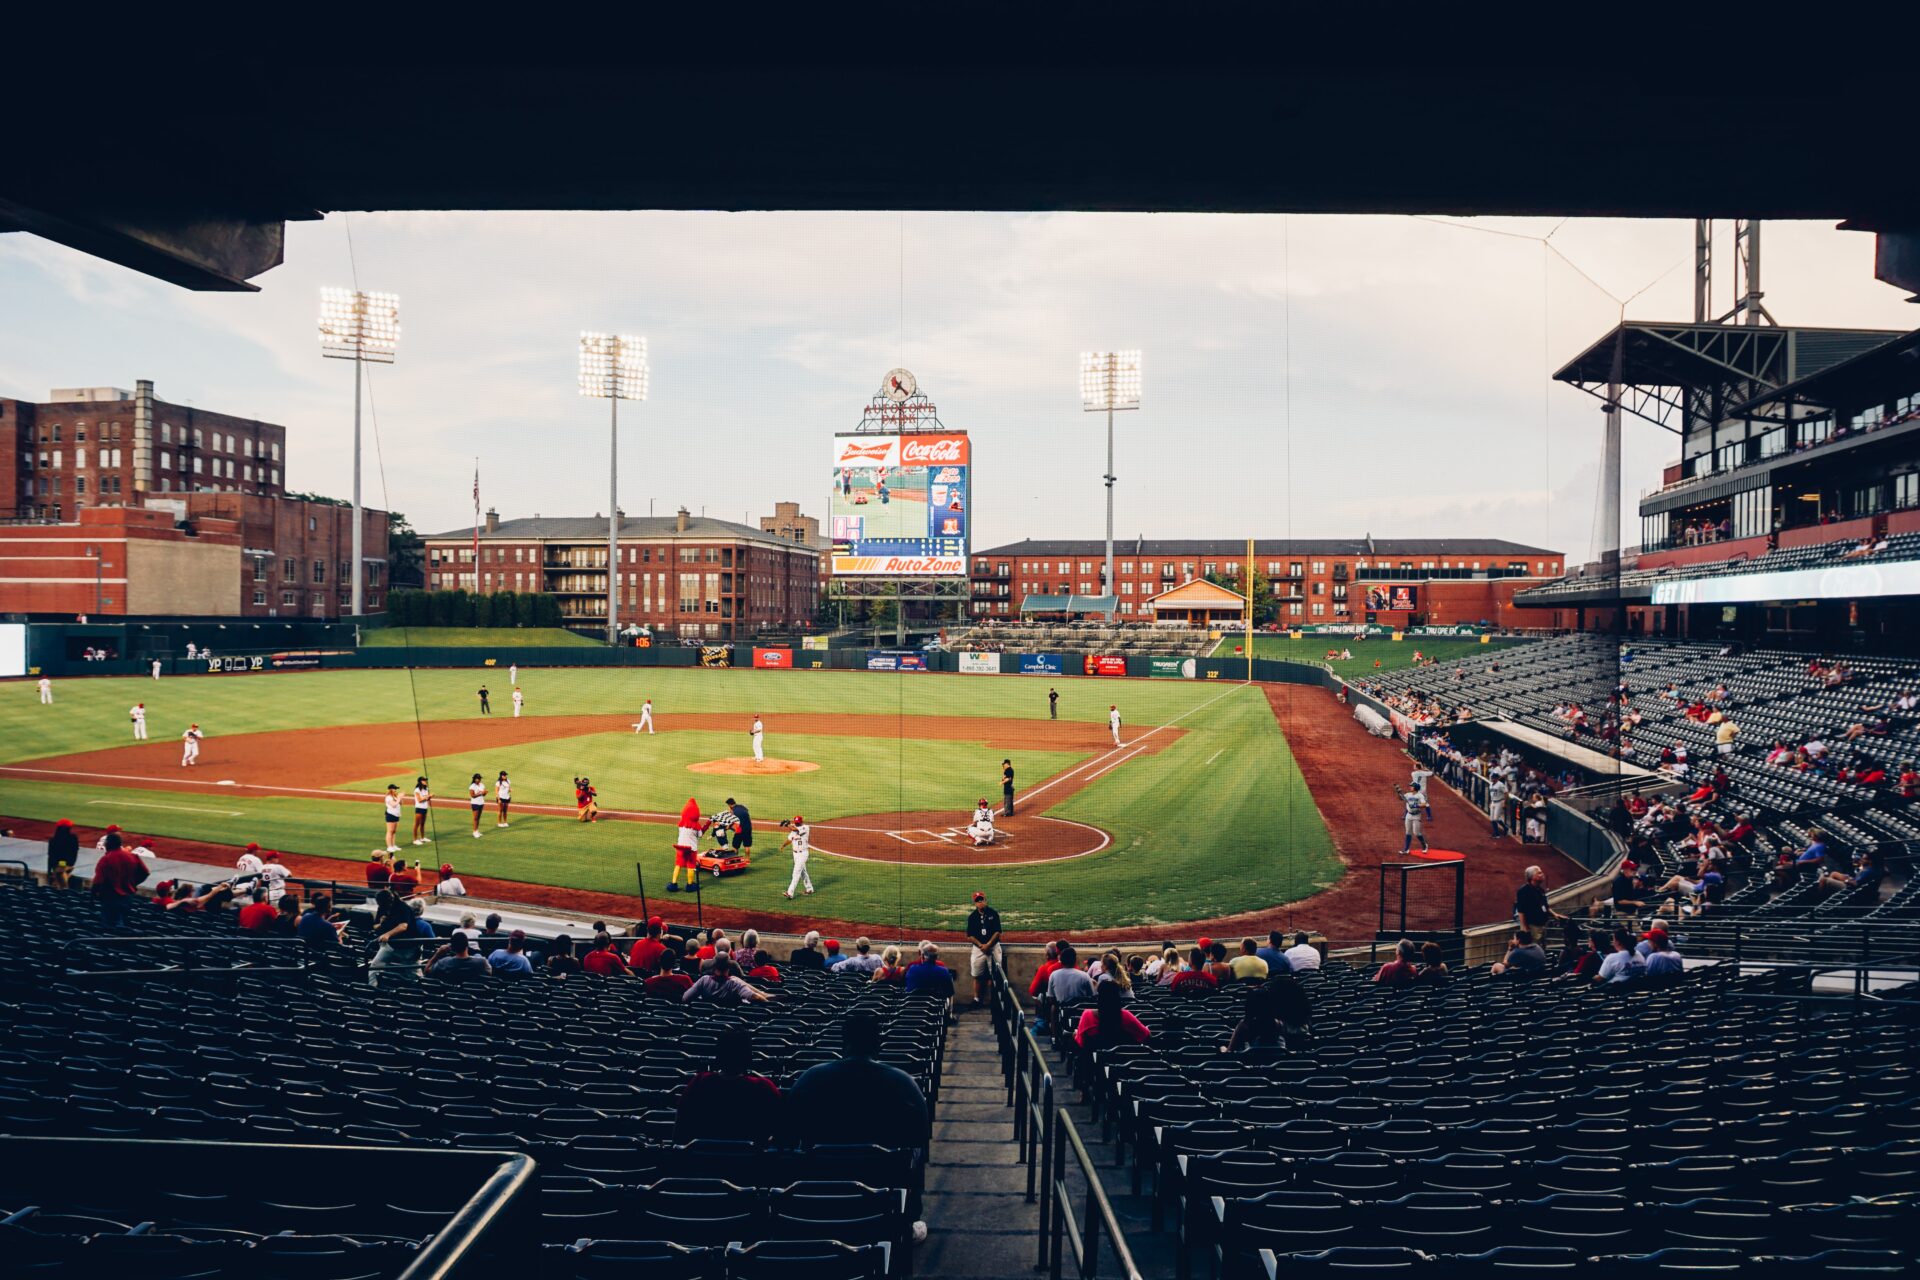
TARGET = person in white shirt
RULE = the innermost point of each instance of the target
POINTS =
(156, 668)
(477, 802)
(449, 886)
(758, 734)
(503, 792)
(192, 652)
(249, 863)
(46, 692)
(469, 926)
(981, 828)
(138, 714)
(392, 799)
(646, 717)
(1623, 963)
(272, 878)
(422, 800)
(190, 746)
(798, 835)
(1302, 954)
(519, 701)
(1113, 722)
(513, 673)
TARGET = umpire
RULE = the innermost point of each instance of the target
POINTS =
(1006, 785)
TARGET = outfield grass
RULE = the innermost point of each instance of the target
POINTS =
(1216, 823)
(476, 638)
(1391, 654)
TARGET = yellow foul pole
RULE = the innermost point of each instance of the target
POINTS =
(1247, 581)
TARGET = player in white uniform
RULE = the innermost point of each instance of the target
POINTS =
(513, 674)
(798, 835)
(156, 668)
(646, 717)
(273, 878)
(477, 801)
(981, 828)
(503, 792)
(190, 746)
(1113, 722)
(1420, 776)
(46, 692)
(249, 863)
(519, 700)
(392, 799)
(138, 714)
(759, 751)
(1413, 823)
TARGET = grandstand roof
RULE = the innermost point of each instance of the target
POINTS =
(594, 529)
(1364, 546)
(1721, 365)
(1855, 380)
(1069, 604)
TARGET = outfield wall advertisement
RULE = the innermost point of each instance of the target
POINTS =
(896, 660)
(1393, 598)
(1103, 664)
(1042, 664)
(1172, 668)
(980, 664)
(901, 505)
(773, 659)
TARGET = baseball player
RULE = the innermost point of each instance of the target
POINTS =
(503, 792)
(1113, 722)
(46, 692)
(759, 738)
(273, 879)
(138, 714)
(798, 835)
(1414, 823)
(513, 674)
(190, 746)
(477, 801)
(392, 801)
(156, 668)
(685, 841)
(422, 800)
(248, 863)
(1053, 704)
(646, 717)
(486, 708)
(1420, 776)
(981, 828)
(519, 700)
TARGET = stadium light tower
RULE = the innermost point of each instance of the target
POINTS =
(1109, 380)
(359, 326)
(613, 367)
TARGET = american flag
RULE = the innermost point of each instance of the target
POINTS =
(476, 524)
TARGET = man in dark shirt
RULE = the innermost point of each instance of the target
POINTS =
(808, 955)
(115, 878)
(459, 962)
(983, 931)
(63, 851)
(1053, 704)
(1275, 954)
(486, 708)
(730, 1101)
(1006, 786)
(858, 1100)
(1530, 907)
(316, 926)
(929, 976)
(743, 829)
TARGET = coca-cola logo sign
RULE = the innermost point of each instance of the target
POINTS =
(932, 451)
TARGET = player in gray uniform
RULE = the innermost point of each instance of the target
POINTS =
(1414, 823)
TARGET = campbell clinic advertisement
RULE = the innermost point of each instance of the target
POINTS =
(778, 659)
(1042, 664)
(901, 505)
(980, 664)
(1103, 664)
(1393, 599)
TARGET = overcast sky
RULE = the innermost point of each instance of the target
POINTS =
(1304, 376)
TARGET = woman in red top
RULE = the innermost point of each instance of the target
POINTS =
(1108, 1023)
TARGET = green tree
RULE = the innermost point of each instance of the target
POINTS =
(405, 553)
(447, 605)
(1265, 608)
(546, 611)
(504, 612)
(526, 609)
(483, 609)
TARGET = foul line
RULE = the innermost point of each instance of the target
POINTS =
(1215, 756)
(1131, 746)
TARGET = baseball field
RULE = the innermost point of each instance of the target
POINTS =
(1201, 812)
(1392, 655)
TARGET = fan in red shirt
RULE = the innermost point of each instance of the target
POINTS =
(377, 872)
(259, 916)
(404, 881)
(603, 959)
(1045, 971)
(1196, 980)
(670, 985)
(646, 953)
(1909, 781)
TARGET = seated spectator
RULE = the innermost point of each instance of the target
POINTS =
(1662, 960)
(404, 881)
(1303, 955)
(1108, 1023)
(1169, 968)
(1069, 984)
(668, 984)
(318, 927)
(1524, 956)
(890, 970)
(829, 952)
(862, 961)
(1217, 966)
(514, 959)
(1111, 969)
(929, 976)
(1587, 963)
(602, 960)
(469, 927)
(458, 961)
(1045, 971)
(560, 958)
(449, 884)
(1401, 970)
(1867, 870)
(746, 953)
(1622, 964)
(286, 920)
(649, 951)
(1433, 965)
(378, 870)
(257, 916)
(1815, 854)
(1248, 966)
(1275, 954)
(1153, 966)
(808, 956)
(722, 949)
(729, 1102)
(721, 985)
(1194, 980)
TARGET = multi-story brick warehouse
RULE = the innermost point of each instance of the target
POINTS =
(680, 575)
(104, 446)
(1316, 581)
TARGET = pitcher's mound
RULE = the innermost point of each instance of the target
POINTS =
(753, 768)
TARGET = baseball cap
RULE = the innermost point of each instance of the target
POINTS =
(252, 847)
(272, 855)
(797, 819)
(518, 935)
(64, 822)
(979, 897)
(831, 944)
(446, 868)
(654, 920)
(1204, 943)
(1629, 865)
(1652, 933)
(113, 826)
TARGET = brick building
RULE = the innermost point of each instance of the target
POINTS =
(787, 524)
(1316, 581)
(680, 575)
(105, 446)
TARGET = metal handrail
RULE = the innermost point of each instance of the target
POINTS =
(26, 871)
(448, 1250)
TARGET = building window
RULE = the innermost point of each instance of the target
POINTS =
(79, 485)
(319, 570)
(1126, 607)
(1293, 569)
(1295, 610)
(259, 569)
(1319, 589)
(1319, 610)
(1210, 568)
(259, 597)
(289, 600)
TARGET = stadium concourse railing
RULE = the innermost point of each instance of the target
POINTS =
(1046, 1134)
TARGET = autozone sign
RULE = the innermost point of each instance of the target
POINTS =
(868, 452)
(954, 565)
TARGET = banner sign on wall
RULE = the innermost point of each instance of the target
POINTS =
(1172, 668)
(980, 664)
(1042, 664)
(896, 660)
(779, 659)
(1103, 664)
(815, 642)
(716, 655)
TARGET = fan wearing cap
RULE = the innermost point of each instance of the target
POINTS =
(63, 851)
(647, 953)
(983, 931)
(1623, 892)
(799, 835)
(449, 885)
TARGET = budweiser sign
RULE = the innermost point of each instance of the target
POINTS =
(866, 451)
(932, 451)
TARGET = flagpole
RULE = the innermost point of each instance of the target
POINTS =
(1249, 583)
(476, 526)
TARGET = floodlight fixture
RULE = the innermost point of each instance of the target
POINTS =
(613, 367)
(361, 326)
(1109, 381)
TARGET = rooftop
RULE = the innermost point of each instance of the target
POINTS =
(594, 529)
(1267, 547)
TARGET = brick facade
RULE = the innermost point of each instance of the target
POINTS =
(120, 561)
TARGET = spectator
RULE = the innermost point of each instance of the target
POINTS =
(1303, 955)
(403, 880)
(1045, 971)
(1108, 1023)
(560, 958)
(1401, 970)
(1433, 965)
(457, 961)
(449, 885)
(649, 951)
(1524, 956)
(1069, 984)
(1217, 966)
(514, 959)
(983, 931)
(63, 853)
(722, 950)
(116, 878)
(258, 916)
(808, 956)
(1248, 966)
(602, 960)
(668, 984)
(1111, 968)
(890, 969)
(1275, 954)
(1194, 980)
(1815, 854)
(469, 927)
(858, 1100)
(1169, 968)
(317, 925)
(729, 1102)
(378, 870)
(829, 952)
(392, 920)
(1587, 963)
(746, 956)
(1262, 1024)
(1530, 908)
(929, 976)
(1663, 961)
(721, 985)
(862, 961)
(1621, 964)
